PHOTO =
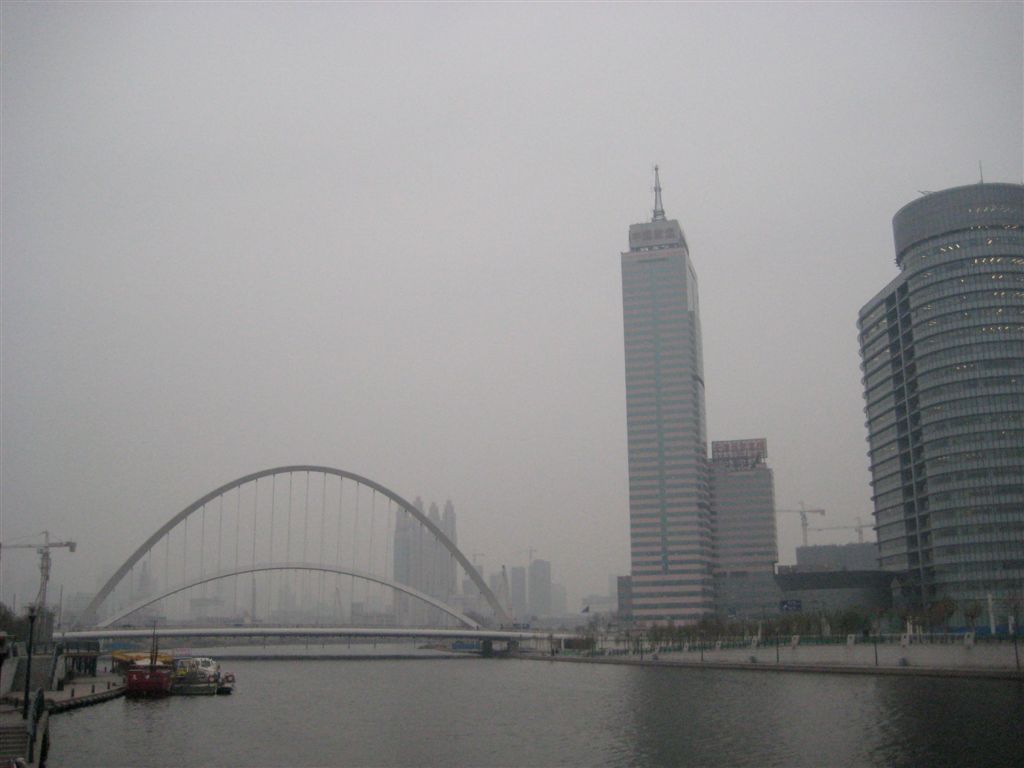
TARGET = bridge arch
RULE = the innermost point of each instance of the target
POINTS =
(439, 604)
(89, 614)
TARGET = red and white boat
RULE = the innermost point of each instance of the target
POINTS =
(148, 681)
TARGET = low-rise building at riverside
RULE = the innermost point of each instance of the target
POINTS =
(743, 510)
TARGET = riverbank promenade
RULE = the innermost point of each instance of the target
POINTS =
(939, 656)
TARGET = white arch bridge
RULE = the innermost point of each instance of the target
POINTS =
(301, 544)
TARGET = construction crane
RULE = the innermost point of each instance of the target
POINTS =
(44, 562)
(859, 528)
(803, 512)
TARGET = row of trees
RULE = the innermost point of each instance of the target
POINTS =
(936, 617)
(16, 626)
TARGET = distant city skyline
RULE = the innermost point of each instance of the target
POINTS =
(384, 238)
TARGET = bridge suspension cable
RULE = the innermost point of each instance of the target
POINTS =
(365, 544)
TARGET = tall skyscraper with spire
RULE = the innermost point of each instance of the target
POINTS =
(671, 544)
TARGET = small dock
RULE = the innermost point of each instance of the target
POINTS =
(84, 692)
(80, 692)
(16, 734)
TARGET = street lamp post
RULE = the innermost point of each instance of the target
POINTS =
(3, 649)
(28, 670)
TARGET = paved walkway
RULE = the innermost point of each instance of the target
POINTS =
(83, 691)
(80, 692)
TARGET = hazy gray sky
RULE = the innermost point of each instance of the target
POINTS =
(386, 238)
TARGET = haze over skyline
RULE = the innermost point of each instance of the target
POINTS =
(387, 238)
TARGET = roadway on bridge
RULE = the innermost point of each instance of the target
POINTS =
(120, 633)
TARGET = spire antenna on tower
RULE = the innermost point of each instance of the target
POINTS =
(659, 212)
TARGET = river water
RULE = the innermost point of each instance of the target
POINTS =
(455, 712)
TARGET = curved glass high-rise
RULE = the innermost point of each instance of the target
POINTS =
(942, 351)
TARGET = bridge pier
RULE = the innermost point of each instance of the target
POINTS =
(487, 649)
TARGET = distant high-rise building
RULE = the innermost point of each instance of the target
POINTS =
(448, 566)
(406, 566)
(422, 562)
(942, 352)
(539, 594)
(624, 593)
(559, 600)
(436, 560)
(671, 545)
(517, 591)
(743, 499)
(494, 581)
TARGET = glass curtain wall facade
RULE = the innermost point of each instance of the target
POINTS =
(942, 350)
(670, 515)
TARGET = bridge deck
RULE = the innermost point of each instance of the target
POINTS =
(464, 633)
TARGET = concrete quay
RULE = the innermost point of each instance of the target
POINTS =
(80, 692)
(997, 661)
(85, 691)
(837, 669)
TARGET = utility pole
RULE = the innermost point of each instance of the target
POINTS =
(28, 670)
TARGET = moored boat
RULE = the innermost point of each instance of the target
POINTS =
(195, 676)
(226, 685)
(150, 678)
(148, 681)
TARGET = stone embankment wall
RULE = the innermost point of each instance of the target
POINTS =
(862, 654)
(891, 654)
